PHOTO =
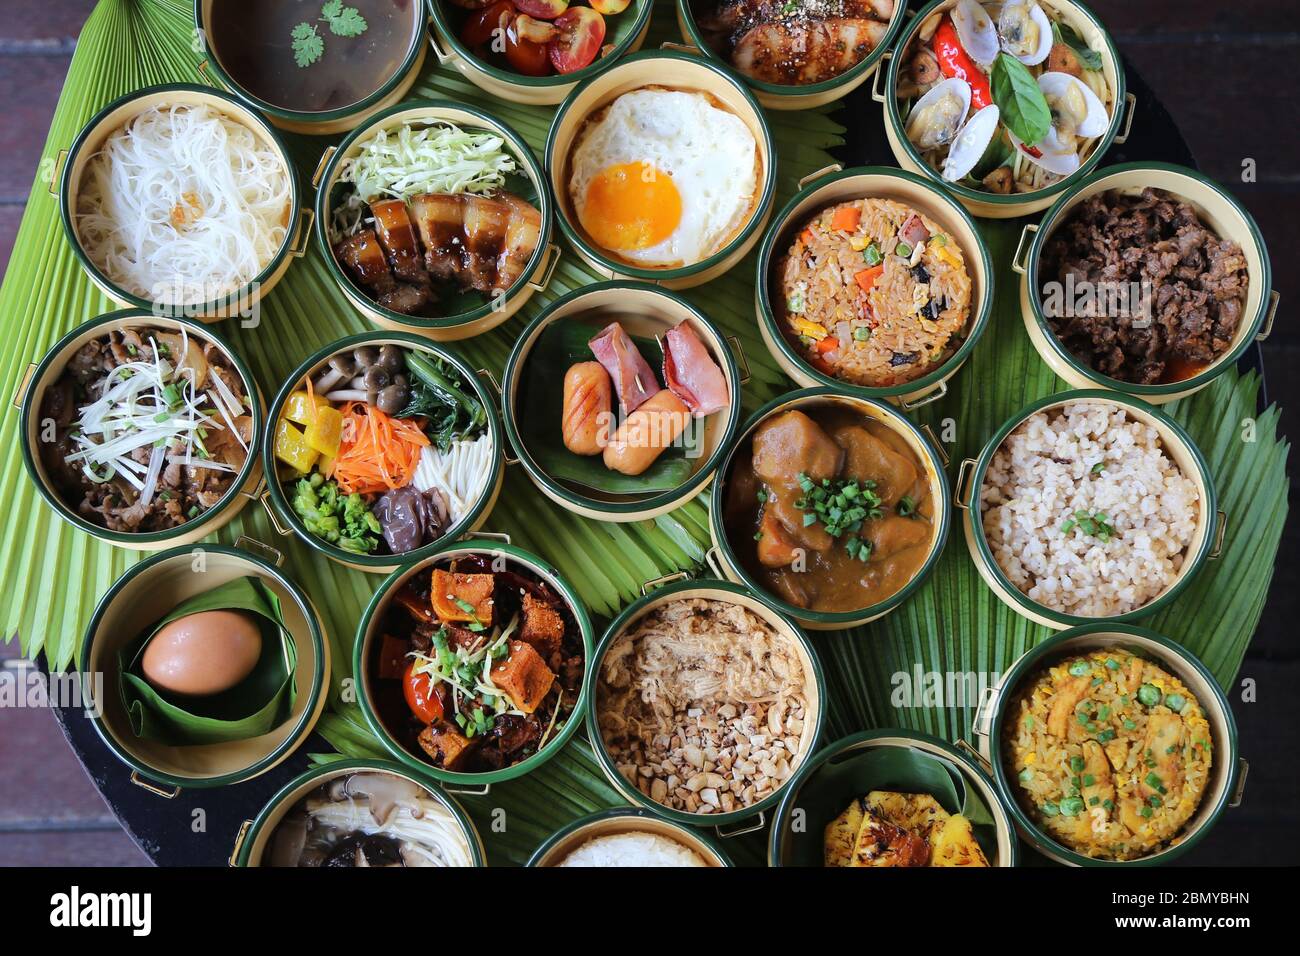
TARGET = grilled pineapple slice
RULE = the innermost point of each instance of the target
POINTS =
(841, 834)
(881, 843)
(918, 812)
(953, 844)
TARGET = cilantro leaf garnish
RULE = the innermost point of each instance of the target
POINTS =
(343, 21)
(308, 47)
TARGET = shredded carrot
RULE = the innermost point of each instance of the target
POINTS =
(377, 453)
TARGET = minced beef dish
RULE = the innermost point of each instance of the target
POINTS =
(1196, 284)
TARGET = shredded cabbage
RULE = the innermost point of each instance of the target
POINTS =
(435, 158)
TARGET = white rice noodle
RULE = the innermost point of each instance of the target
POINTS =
(183, 205)
(460, 474)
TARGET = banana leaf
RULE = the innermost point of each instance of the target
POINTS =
(53, 575)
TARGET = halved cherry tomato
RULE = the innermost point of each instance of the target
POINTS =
(481, 25)
(582, 31)
(421, 696)
(609, 8)
(524, 55)
(542, 9)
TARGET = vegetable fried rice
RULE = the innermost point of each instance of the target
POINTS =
(873, 293)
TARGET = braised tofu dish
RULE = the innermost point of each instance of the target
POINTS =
(477, 668)
(830, 509)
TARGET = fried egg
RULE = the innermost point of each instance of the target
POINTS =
(663, 177)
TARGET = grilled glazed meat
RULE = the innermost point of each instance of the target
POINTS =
(483, 243)
(796, 44)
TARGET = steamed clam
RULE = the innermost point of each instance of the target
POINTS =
(1025, 31)
(939, 114)
(975, 30)
(971, 144)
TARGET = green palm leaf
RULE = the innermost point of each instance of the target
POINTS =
(954, 623)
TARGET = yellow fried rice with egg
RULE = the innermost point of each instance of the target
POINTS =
(1108, 753)
(874, 293)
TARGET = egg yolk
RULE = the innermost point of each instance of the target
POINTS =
(631, 206)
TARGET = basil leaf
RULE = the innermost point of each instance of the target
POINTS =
(1024, 108)
(1068, 35)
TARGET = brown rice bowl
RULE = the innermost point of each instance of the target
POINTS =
(1084, 511)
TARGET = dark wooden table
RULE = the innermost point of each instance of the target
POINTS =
(1224, 71)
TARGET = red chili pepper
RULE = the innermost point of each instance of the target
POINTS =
(954, 61)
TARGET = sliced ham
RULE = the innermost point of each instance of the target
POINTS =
(691, 373)
(914, 232)
(634, 379)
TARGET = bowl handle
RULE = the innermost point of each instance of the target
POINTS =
(1130, 107)
(444, 56)
(818, 174)
(1016, 264)
(958, 498)
(965, 747)
(481, 791)
(934, 440)
(280, 529)
(306, 218)
(23, 385)
(1239, 791)
(493, 383)
(1220, 532)
(711, 559)
(981, 722)
(56, 173)
(252, 544)
(153, 788)
(1274, 300)
(924, 400)
(552, 260)
(662, 580)
(208, 80)
(325, 157)
(876, 93)
(738, 349)
(239, 842)
(741, 831)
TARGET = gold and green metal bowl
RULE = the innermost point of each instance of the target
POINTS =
(783, 96)
(1223, 214)
(1228, 770)
(145, 594)
(369, 628)
(654, 596)
(979, 202)
(663, 69)
(827, 188)
(625, 820)
(315, 122)
(243, 302)
(40, 377)
(278, 494)
(482, 318)
(1206, 543)
(625, 32)
(643, 311)
(254, 836)
(796, 838)
(723, 553)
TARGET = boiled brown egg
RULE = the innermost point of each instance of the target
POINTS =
(203, 654)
